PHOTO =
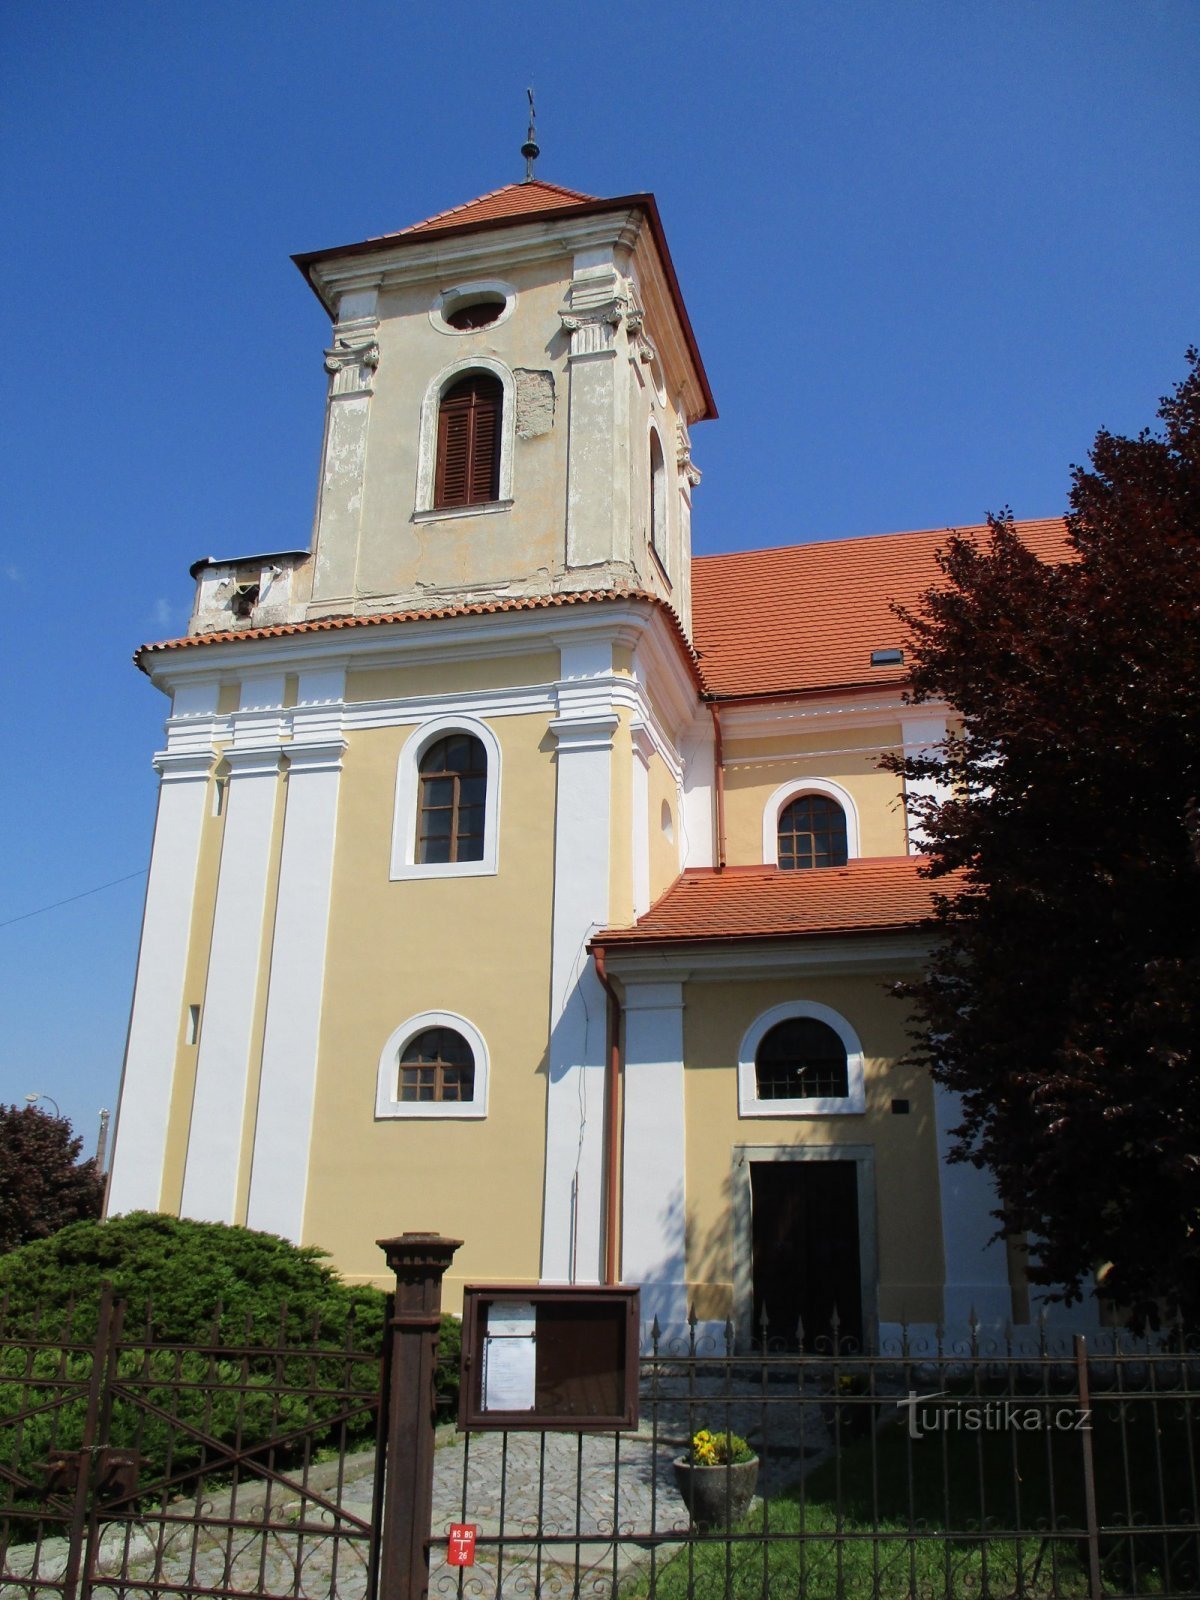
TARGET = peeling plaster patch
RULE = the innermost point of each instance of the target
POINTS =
(535, 402)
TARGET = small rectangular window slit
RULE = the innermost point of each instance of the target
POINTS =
(891, 657)
(899, 1108)
(193, 1024)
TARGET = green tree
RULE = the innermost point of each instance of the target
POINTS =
(43, 1183)
(1062, 1001)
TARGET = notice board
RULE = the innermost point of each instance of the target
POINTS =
(554, 1356)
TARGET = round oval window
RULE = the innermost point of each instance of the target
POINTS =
(474, 314)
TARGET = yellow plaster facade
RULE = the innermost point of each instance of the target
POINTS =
(308, 916)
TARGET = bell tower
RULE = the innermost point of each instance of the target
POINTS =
(512, 385)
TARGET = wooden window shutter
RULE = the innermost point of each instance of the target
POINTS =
(468, 442)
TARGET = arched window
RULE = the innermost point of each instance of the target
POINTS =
(658, 498)
(467, 470)
(801, 1059)
(451, 805)
(812, 833)
(437, 1065)
(433, 1066)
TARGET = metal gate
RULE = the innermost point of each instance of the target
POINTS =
(133, 1467)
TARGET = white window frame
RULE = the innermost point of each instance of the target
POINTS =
(792, 790)
(388, 1083)
(427, 445)
(408, 798)
(851, 1103)
(461, 294)
(660, 500)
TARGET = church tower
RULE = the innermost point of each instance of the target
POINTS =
(512, 385)
(411, 769)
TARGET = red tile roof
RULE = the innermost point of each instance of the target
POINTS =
(479, 608)
(883, 894)
(808, 616)
(514, 200)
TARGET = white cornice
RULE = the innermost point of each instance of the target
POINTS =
(445, 257)
(657, 660)
(781, 718)
(744, 960)
(383, 644)
(324, 724)
(184, 766)
(527, 700)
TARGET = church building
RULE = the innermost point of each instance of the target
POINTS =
(517, 875)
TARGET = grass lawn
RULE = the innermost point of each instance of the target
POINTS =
(954, 1513)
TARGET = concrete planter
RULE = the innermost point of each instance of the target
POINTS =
(717, 1497)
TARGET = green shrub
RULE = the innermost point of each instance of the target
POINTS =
(179, 1276)
(208, 1308)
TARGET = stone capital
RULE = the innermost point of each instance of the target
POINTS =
(352, 359)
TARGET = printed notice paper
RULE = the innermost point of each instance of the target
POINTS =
(510, 1357)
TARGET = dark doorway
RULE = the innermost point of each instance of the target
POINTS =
(805, 1249)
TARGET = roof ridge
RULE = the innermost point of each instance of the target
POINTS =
(870, 538)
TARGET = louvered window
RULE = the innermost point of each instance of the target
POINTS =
(812, 833)
(468, 442)
(453, 776)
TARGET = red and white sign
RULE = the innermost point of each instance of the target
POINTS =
(460, 1551)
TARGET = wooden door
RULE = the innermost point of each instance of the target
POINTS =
(805, 1246)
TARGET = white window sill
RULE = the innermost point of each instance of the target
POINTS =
(443, 869)
(402, 1110)
(447, 513)
(830, 1106)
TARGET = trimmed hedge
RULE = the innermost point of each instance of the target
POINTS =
(202, 1285)
(184, 1276)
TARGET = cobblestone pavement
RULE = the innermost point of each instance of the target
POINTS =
(569, 1492)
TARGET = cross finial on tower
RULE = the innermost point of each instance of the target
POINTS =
(530, 149)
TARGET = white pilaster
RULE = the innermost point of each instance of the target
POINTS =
(654, 1197)
(643, 745)
(922, 736)
(598, 301)
(219, 1103)
(158, 998)
(976, 1270)
(287, 1087)
(697, 812)
(350, 362)
(572, 1224)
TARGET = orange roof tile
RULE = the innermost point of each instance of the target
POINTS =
(882, 894)
(478, 608)
(513, 200)
(808, 616)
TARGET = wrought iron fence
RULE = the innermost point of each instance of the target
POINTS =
(986, 1468)
(133, 1467)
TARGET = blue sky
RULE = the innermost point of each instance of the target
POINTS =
(928, 249)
